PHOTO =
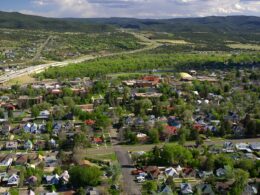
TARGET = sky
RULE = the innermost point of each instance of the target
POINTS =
(132, 8)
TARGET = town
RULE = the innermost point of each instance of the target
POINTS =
(154, 132)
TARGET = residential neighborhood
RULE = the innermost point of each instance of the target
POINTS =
(58, 136)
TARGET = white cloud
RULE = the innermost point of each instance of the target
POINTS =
(144, 8)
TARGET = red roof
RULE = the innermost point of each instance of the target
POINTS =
(170, 130)
(90, 122)
(199, 127)
(98, 140)
(151, 78)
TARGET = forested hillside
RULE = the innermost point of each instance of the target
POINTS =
(17, 21)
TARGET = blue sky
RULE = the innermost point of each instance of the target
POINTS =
(133, 8)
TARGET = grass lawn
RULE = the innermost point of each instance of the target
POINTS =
(108, 156)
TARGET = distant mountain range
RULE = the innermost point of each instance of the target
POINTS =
(213, 24)
(205, 24)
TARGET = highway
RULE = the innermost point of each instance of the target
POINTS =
(40, 68)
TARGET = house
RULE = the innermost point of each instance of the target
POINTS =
(21, 159)
(40, 145)
(220, 172)
(186, 77)
(50, 161)
(53, 143)
(92, 191)
(42, 128)
(57, 128)
(165, 190)
(152, 171)
(189, 172)
(56, 91)
(243, 147)
(30, 192)
(232, 117)
(255, 146)
(87, 107)
(128, 120)
(142, 137)
(250, 190)
(24, 102)
(139, 121)
(31, 128)
(170, 131)
(64, 177)
(44, 114)
(174, 122)
(129, 82)
(13, 180)
(205, 189)
(205, 174)
(171, 172)
(223, 186)
(97, 100)
(28, 145)
(238, 129)
(186, 188)
(52, 179)
(148, 95)
(147, 81)
(32, 180)
(228, 147)
(11, 145)
(6, 161)
(4, 177)
(6, 128)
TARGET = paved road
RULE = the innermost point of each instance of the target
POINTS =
(40, 49)
(148, 147)
(129, 185)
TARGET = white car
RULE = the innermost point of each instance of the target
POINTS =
(140, 179)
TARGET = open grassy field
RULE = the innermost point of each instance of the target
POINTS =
(21, 80)
(108, 156)
(244, 46)
(168, 41)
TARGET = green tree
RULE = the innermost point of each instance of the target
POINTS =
(10, 114)
(154, 136)
(67, 92)
(2, 115)
(149, 186)
(241, 179)
(80, 140)
(35, 111)
(173, 153)
(84, 176)
(141, 106)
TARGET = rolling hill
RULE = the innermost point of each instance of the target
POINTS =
(16, 20)
(204, 24)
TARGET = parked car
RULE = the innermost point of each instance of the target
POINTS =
(140, 179)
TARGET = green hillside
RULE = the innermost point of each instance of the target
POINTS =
(16, 20)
